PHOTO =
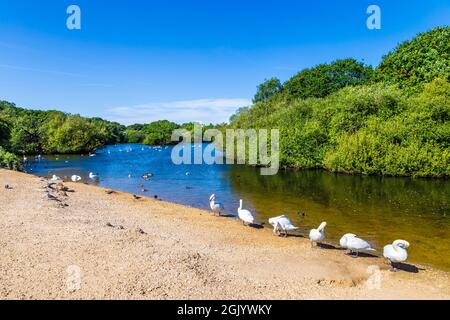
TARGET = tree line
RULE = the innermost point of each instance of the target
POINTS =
(345, 116)
(31, 132)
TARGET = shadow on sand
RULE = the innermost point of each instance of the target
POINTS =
(407, 267)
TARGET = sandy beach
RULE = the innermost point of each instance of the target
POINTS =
(129, 248)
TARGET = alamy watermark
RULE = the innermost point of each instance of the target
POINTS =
(73, 21)
(374, 20)
(73, 279)
(374, 280)
(236, 147)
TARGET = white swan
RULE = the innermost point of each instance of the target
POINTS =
(56, 178)
(396, 252)
(317, 235)
(353, 243)
(75, 178)
(245, 215)
(216, 207)
(282, 223)
(92, 176)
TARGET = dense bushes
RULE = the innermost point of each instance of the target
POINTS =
(341, 117)
(9, 160)
(324, 79)
(34, 132)
(418, 61)
(371, 129)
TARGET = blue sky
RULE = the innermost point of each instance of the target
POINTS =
(139, 61)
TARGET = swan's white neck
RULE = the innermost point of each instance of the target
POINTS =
(240, 204)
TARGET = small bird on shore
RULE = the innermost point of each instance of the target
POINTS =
(396, 252)
(136, 197)
(245, 215)
(56, 178)
(216, 207)
(52, 197)
(93, 176)
(353, 243)
(282, 224)
(317, 235)
(7, 187)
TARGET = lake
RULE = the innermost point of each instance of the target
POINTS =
(378, 209)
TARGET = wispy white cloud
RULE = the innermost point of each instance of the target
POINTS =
(200, 110)
(56, 72)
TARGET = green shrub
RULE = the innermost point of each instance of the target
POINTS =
(9, 160)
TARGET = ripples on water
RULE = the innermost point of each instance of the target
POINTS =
(378, 209)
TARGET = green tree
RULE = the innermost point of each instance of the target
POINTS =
(159, 132)
(267, 89)
(25, 135)
(324, 79)
(418, 61)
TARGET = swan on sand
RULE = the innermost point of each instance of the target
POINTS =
(245, 215)
(216, 207)
(282, 223)
(353, 243)
(75, 178)
(396, 252)
(317, 235)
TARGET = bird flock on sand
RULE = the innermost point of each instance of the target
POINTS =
(393, 253)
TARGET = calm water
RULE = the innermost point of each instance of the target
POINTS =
(378, 209)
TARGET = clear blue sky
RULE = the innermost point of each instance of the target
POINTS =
(185, 60)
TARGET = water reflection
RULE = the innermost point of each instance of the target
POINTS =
(378, 209)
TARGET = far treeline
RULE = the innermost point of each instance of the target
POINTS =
(342, 116)
(31, 132)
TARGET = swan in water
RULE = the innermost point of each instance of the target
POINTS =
(245, 215)
(282, 223)
(56, 178)
(396, 252)
(92, 176)
(75, 178)
(317, 235)
(216, 207)
(353, 243)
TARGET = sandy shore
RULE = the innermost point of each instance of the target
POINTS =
(149, 249)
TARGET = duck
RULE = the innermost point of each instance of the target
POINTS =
(245, 215)
(353, 243)
(317, 235)
(396, 252)
(216, 207)
(147, 176)
(282, 223)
